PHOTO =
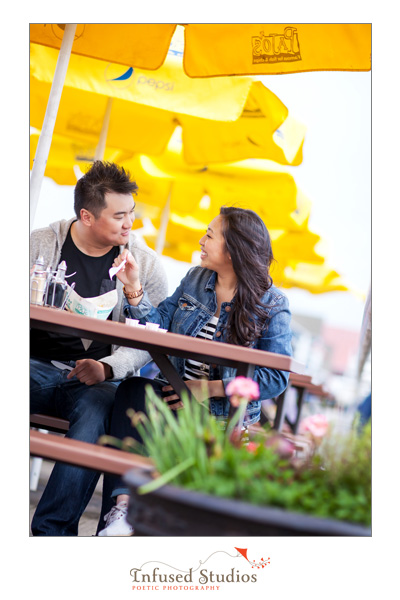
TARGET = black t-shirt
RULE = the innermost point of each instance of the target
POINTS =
(91, 280)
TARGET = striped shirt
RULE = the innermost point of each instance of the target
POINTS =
(195, 369)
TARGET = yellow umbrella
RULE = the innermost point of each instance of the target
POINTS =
(263, 49)
(140, 45)
(251, 184)
(191, 211)
(167, 88)
(297, 263)
(69, 158)
(317, 279)
(197, 194)
(183, 234)
(258, 184)
(169, 187)
(223, 49)
(244, 119)
(295, 47)
(211, 100)
(294, 246)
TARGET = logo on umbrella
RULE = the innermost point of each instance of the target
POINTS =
(276, 47)
(119, 76)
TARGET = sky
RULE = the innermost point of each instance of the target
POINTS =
(335, 175)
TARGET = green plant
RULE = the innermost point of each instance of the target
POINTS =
(194, 451)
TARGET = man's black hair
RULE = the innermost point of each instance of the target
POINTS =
(102, 177)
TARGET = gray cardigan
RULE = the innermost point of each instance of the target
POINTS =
(48, 241)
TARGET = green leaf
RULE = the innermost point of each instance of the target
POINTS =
(166, 477)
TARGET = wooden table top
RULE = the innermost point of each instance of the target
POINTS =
(168, 343)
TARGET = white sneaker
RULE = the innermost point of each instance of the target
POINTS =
(116, 522)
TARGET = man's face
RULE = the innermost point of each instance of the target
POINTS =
(113, 225)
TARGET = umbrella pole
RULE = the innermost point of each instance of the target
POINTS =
(43, 147)
(101, 146)
(162, 232)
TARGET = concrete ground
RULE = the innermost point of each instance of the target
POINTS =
(89, 519)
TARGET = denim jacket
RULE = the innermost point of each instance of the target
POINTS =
(192, 305)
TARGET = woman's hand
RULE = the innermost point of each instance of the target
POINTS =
(129, 274)
(200, 388)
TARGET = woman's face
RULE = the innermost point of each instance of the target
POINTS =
(213, 251)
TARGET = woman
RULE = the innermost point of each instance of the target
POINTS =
(229, 298)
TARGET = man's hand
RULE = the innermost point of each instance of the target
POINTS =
(129, 274)
(90, 371)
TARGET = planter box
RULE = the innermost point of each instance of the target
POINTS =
(172, 511)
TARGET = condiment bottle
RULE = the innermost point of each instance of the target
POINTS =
(38, 282)
(57, 287)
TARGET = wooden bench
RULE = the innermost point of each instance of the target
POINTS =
(44, 445)
(44, 423)
(83, 454)
(49, 423)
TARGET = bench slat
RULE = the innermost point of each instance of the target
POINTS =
(82, 454)
(51, 423)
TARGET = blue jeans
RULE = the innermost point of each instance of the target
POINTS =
(88, 409)
(131, 394)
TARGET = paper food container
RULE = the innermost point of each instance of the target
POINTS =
(99, 307)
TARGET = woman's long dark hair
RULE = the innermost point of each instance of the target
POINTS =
(248, 243)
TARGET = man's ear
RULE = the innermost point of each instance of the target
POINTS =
(86, 217)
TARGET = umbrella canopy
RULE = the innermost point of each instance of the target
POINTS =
(167, 88)
(297, 262)
(139, 45)
(197, 194)
(69, 158)
(250, 184)
(244, 118)
(317, 279)
(183, 235)
(193, 197)
(342, 47)
(263, 49)
(222, 49)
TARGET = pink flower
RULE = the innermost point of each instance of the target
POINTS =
(282, 446)
(252, 447)
(244, 387)
(317, 425)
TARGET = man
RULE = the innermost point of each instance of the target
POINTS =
(88, 243)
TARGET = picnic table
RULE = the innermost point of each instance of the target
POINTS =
(160, 346)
